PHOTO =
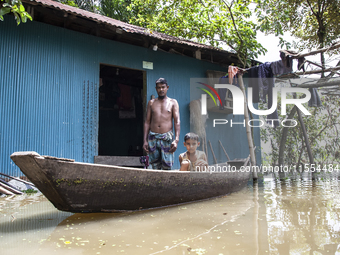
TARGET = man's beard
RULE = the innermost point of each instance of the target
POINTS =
(161, 97)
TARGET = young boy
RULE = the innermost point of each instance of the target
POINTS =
(192, 157)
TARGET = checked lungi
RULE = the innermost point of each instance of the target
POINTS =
(159, 147)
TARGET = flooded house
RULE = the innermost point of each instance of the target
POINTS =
(75, 84)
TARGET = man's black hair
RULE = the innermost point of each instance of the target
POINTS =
(192, 136)
(162, 81)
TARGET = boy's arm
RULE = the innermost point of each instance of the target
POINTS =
(203, 161)
(180, 159)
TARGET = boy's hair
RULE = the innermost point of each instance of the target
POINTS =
(162, 81)
(192, 136)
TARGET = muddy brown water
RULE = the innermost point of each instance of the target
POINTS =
(291, 215)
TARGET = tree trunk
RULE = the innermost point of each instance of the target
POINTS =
(304, 132)
(284, 137)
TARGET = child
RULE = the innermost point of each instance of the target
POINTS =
(192, 157)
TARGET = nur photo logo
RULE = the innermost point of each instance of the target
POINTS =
(238, 103)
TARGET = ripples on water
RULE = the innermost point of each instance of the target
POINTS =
(279, 215)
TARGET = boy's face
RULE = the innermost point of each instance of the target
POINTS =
(191, 145)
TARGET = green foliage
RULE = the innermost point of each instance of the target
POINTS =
(116, 9)
(88, 5)
(30, 191)
(218, 23)
(315, 22)
(70, 3)
(15, 7)
(323, 131)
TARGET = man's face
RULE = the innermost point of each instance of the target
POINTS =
(161, 89)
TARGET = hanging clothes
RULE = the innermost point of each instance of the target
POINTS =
(262, 82)
(223, 92)
(266, 84)
(253, 83)
(232, 71)
(278, 67)
(266, 81)
(314, 99)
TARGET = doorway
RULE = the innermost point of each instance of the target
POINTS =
(121, 111)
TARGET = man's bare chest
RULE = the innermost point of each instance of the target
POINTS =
(161, 109)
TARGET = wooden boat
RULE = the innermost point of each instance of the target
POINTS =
(83, 187)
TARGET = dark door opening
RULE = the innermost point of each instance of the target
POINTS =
(120, 111)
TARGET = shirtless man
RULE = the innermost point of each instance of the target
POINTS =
(158, 136)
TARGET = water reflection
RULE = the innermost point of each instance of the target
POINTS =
(195, 228)
(281, 215)
(303, 214)
(26, 221)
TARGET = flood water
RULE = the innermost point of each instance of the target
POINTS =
(274, 216)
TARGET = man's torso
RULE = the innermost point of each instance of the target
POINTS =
(161, 115)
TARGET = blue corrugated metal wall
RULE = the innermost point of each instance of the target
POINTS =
(49, 89)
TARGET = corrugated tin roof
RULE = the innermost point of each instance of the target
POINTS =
(125, 26)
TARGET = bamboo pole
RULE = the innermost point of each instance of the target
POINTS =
(212, 151)
(318, 85)
(256, 218)
(5, 191)
(17, 179)
(248, 131)
(206, 148)
(333, 47)
(319, 71)
(224, 150)
(8, 187)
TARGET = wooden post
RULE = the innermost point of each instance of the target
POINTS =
(224, 150)
(248, 131)
(212, 151)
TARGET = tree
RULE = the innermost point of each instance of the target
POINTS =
(15, 7)
(116, 9)
(322, 129)
(314, 22)
(218, 23)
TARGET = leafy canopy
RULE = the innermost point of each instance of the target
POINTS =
(314, 22)
(218, 23)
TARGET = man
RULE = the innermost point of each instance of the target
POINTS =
(158, 136)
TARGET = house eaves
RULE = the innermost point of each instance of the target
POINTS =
(58, 14)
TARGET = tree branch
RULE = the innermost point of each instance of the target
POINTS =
(311, 8)
(235, 27)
